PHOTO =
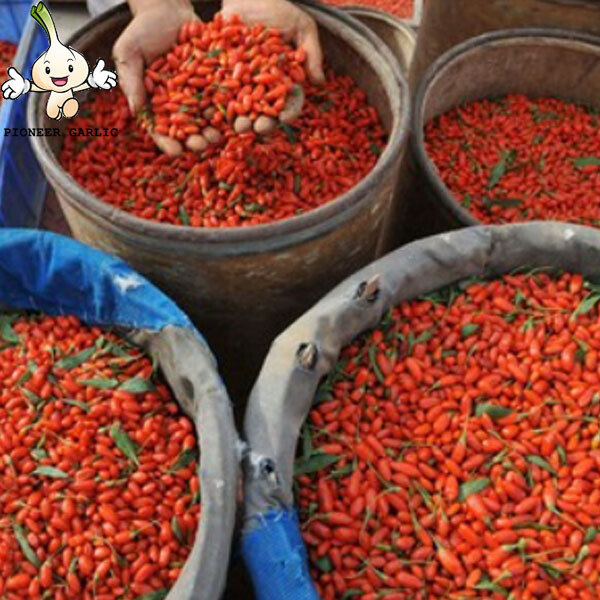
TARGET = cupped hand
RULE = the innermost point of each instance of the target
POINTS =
(295, 24)
(154, 30)
(262, 125)
(151, 33)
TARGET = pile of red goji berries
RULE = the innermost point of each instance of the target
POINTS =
(454, 452)
(99, 496)
(403, 9)
(247, 181)
(220, 70)
(7, 54)
(519, 159)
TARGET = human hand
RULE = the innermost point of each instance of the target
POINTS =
(15, 86)
(151, 33)
(263, 125)
(295, 24)
(135, 48)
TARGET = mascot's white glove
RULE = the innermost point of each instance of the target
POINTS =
(16, 86)
(101, 78)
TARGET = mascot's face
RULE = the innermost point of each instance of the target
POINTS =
(60, 69)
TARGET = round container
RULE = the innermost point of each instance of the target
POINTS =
(243, 285)
(399, 37)
(308, 351)
(446, 24)
(43, 271)
(534, 62)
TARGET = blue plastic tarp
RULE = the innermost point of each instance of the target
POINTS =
(57, 275)
(276, 558)
(22, 182)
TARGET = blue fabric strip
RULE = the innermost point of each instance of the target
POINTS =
(55, 274)
(276, 558)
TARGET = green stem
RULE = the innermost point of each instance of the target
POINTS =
(42, 15)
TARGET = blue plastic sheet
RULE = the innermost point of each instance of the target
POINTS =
(14, 15)
(55, 274)
(22, 182)
(276, 558)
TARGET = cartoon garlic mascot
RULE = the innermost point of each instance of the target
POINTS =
(60, 70)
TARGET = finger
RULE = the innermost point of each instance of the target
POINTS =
(211, 135)
(14, 74)
(167, 145)
(196, 143)
(130, 70)
(99, 65)
(308, 38)
(265, 125)
(242, 125)
(293, 105)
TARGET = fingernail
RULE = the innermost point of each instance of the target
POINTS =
(242, 125)
(212, 135)
(196, 143)
(264, 125)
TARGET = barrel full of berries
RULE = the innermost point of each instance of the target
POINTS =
(244, 234)
(119, 470)
(505, 129)
(430, 428)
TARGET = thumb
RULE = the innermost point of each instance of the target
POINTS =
(99, 65)
(293, 106)
(13, 73)
(308, 38)
(130, 69)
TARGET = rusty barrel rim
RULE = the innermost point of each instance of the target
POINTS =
(271, 235)
(443, 195)
(376, 13)
(391, 19)
(403, 32)
(589, 4)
